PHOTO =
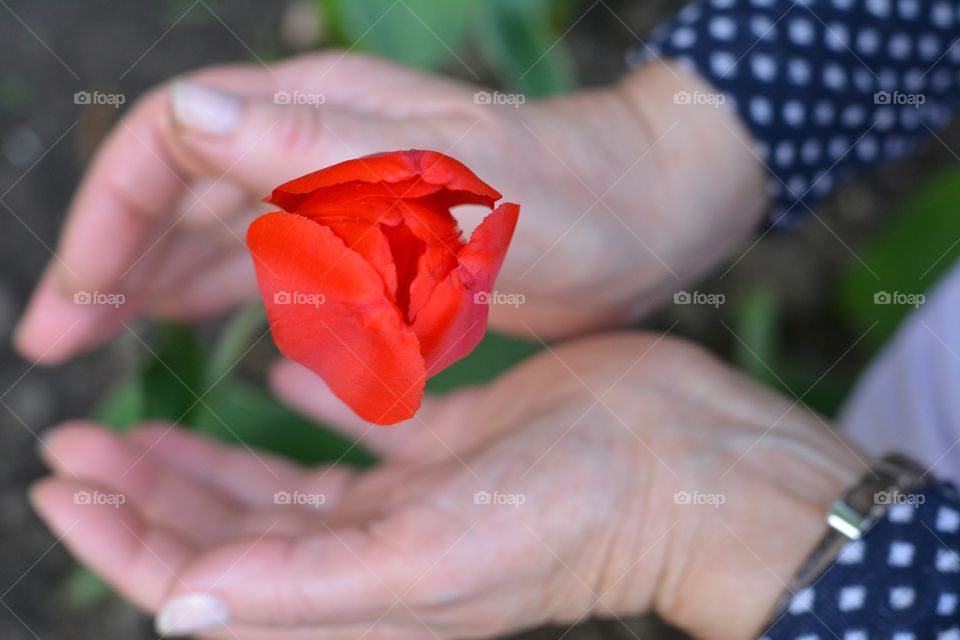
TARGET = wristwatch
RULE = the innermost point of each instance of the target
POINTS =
(887, 483)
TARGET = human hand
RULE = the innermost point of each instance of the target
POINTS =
(584, 448)
(623, 199)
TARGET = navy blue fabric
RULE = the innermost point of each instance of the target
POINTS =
(901, 581)
(828, 87)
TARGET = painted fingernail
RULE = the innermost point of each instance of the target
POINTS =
(204, 109)
(190, 614)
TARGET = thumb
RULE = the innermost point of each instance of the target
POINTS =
(259, 142)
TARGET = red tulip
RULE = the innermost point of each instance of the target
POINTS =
(367, 280)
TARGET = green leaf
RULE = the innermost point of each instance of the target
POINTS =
(907, 258)
(243, 329)
(757, 325)
(123, 406)
(172, 379)
(519, 42)
(495, 354)
(240, 412)
(420, 33)
(83, 589)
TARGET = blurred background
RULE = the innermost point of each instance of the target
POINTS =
(795, 310)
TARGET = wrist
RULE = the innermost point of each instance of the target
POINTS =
(735, 564)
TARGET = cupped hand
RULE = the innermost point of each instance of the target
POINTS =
(623, 198)
(549, 496)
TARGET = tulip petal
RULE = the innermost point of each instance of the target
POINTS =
(429, 170)
(454, 319)
(336, 319)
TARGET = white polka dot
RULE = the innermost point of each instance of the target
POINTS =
(949, 634)
(837, 36)
(794, 113)
(879, 8)
(798, 70)
(856, 634)
(914, 80)
(723, 64)
(929, 46)
(810, 151)
(853, 116)
(868, 149)
(760, 110)
(723, 28)
(947, 604)
(889, 79)
(797, 185)
(838, 147)
(824, 113)
(884, 118)
(900, 46)
(901, 553)
(852, 598)
(843, 5)
(763, 66)
(801, 31)
(901, 513)
(723, 4)
(834, 76)
(802, 602)
(868, 41)
(863, 80)
(903, 635)
(942, 15)
(683, 38)
(947, 561)
(941, 80)
(763, 28)
(783, 154)
(948, 520)
(902, 597)
(909, 9)
(910, 118)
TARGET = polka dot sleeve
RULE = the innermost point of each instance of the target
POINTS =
(828, 87)
(900, 581)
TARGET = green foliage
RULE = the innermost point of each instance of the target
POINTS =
(759, 353)
(494, 355)
(922, 242)
(518, 39)
(421, 33)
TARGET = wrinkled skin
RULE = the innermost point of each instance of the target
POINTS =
(175, 203)
(596, 436)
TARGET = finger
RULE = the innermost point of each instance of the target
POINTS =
(252, 477)
(132, 184)
(339, 577)
(435, 431)
(138, 560)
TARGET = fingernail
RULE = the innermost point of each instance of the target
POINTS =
(204, 109)
(190, 614)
